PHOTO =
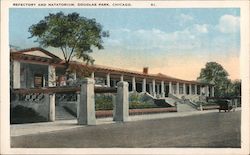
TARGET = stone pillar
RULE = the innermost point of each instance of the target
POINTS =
(144, 85)
(51, 76)
(184, 89)
(52, 97)
(195, 89)
(212, 93)
(133, 84)
(93, 75)
(162, 89)
(114, 104)
(52, 107)
(78, 102)
(108, 80)
(170, 88)
(177, 88)
(122, 102)
(16, 74)
(190, 89)
(121, 78)
(153, 83)
(201, 107)
(86, 115)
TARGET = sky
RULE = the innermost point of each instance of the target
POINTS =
(176, 42)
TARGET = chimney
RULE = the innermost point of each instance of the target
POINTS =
(145, 70)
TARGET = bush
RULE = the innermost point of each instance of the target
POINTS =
(211, 103)
(141, 105)
(140, 101)
(136, 101)
(103, 102)
(21, 114)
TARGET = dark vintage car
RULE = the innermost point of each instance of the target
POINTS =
(225, 105)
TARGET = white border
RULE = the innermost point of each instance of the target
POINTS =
(244, 63)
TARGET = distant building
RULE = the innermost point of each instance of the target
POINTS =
(37, 67)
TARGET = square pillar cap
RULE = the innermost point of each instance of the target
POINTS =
(122, 84)
(88, 81)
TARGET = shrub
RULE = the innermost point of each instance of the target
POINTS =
(103, 102)
(136, 101)
(141, 105)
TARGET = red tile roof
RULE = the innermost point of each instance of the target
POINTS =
(100, 68)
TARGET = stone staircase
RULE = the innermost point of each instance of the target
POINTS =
(62, 114)
(168, 102)
(182, 107)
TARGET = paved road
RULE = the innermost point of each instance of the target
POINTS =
(208, 130)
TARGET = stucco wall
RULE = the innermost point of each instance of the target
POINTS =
(41, 106)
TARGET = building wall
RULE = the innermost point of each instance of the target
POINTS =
(41, 106)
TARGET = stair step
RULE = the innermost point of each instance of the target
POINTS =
(62, 114)
(184, 107)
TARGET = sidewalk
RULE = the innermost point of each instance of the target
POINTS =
(36, 128)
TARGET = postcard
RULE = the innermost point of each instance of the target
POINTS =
(124, 77)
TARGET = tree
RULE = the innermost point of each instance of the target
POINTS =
(214, 73)
(73, 34)
(236, 88)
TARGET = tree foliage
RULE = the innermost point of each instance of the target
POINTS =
(215, 74)
(73, 34)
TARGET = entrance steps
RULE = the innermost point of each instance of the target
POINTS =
(62, 114)
(182, 107)
(169, 102)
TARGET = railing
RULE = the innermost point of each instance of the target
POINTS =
(228, 98)
(50, 90)
(33, 97)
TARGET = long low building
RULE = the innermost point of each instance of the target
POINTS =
(37, 67)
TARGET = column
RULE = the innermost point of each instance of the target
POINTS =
(150, 89)
(158, 89)
(114, 83)
(177, 88)
(170, 88)
(121, 78)
(133, 84)
(207, 90)
(162, 89)
(190, 89)
(195, 89)
(16, 74)
(93, 75)
(144, 85)
(74, 76)
(153, 83)
(86, 114)
(108, 80)
(121, 112)
(51, 76)
(212, 93)
(184, 89)
(200, 89)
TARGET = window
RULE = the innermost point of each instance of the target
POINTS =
(38, 80)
